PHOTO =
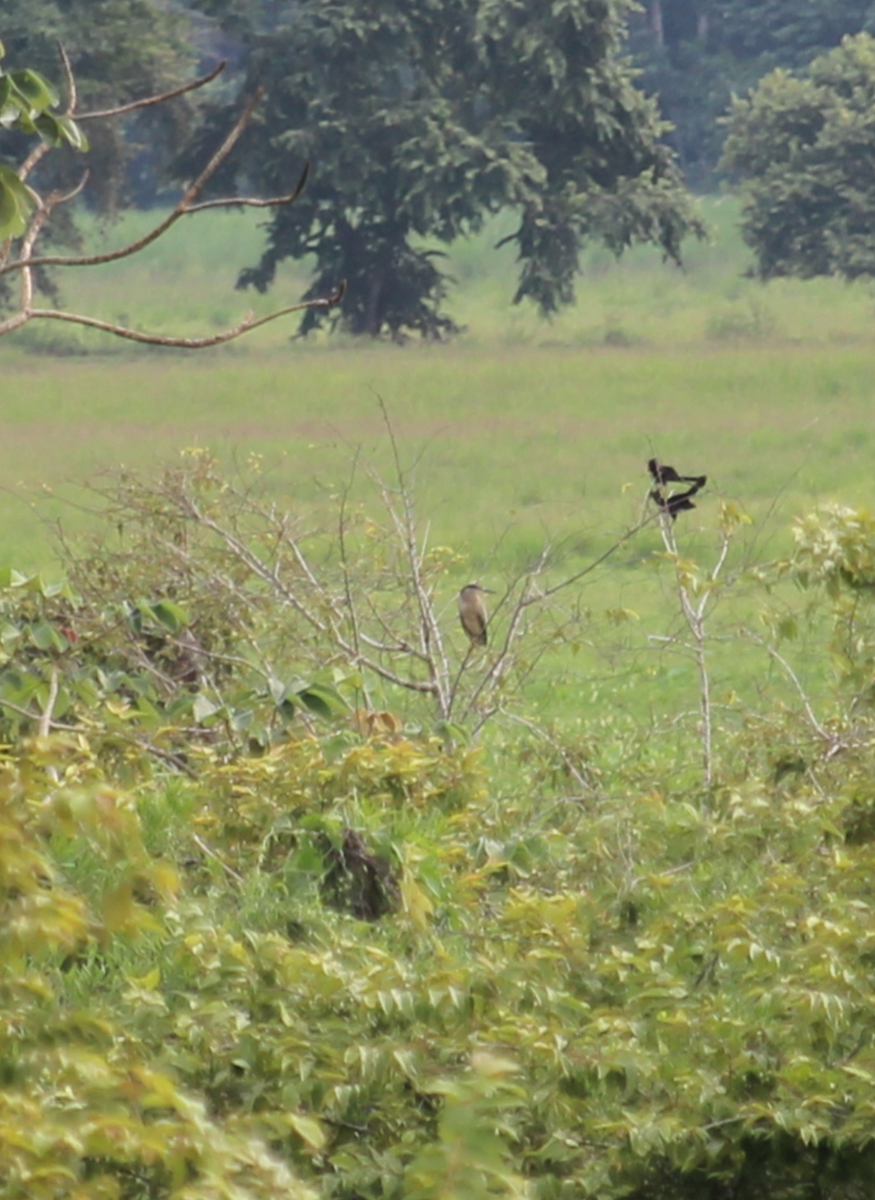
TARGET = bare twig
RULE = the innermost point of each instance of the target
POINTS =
(248, 323)
(815, 724)
(584, 783)
(431, 638)
(146, 102)
(201, 844)
(694, 615)
(27, 260)
(45, 720)
(382, 618)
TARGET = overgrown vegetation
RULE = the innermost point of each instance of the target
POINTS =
(303, 895)
(272, 938)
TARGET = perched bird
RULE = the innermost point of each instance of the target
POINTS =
(472, 612)
(664, 474)
(673, 504)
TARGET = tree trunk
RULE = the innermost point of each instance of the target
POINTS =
(656, 25)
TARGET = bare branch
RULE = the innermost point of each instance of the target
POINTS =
(157, 339)
(432, 645)
(72, 93)
(147, 101)
(183, 207)
(585, 784)
(28, 260)
(201, 844)
(251, 201)
(694, 614)
(45, 720)
(815, 724)
(597, 562)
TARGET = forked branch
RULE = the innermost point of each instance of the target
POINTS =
(28, 260)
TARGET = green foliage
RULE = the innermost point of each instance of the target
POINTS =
(420, 124)
(119, 51)
(82, 1111)
(792, 33)
(835, 550)
(133, 673)
(645, 1002)
(797, 145)
(470, 1158)
(366, 964)
(697, 54)
(27, 102)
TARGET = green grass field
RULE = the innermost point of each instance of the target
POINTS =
(522, 430)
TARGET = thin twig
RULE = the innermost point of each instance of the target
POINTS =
(201, 844)
(585, 784)
(45, 720)
(147, 101)
(248, 323)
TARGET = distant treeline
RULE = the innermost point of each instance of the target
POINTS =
(695, 54)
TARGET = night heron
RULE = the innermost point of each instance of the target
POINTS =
(472, 612)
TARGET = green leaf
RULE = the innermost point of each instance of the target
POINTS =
(17, 202)
(204, 708)
(309, 1130)
(172, 616)
(45, 637)
(38, 92)
(323, 699)
(49, 128)
(72, 133)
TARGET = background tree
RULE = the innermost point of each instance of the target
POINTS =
(119, 51)
(803, 147)
(426, 120)
(696, 53)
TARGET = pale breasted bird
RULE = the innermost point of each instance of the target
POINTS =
(472, 612)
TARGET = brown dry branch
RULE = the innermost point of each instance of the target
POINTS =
(366, 595)
(27, 260)
(694, 600)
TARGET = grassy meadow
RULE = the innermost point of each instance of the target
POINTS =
(522, 431)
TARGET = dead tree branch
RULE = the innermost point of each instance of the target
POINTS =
(27, 260)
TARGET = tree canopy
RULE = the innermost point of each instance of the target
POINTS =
(422, 121)
(803, 147)
(696, 54)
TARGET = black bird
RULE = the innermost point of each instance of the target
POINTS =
(664, 474)
(674, 504)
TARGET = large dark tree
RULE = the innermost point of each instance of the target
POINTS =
(422, 119)
(804, 149)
